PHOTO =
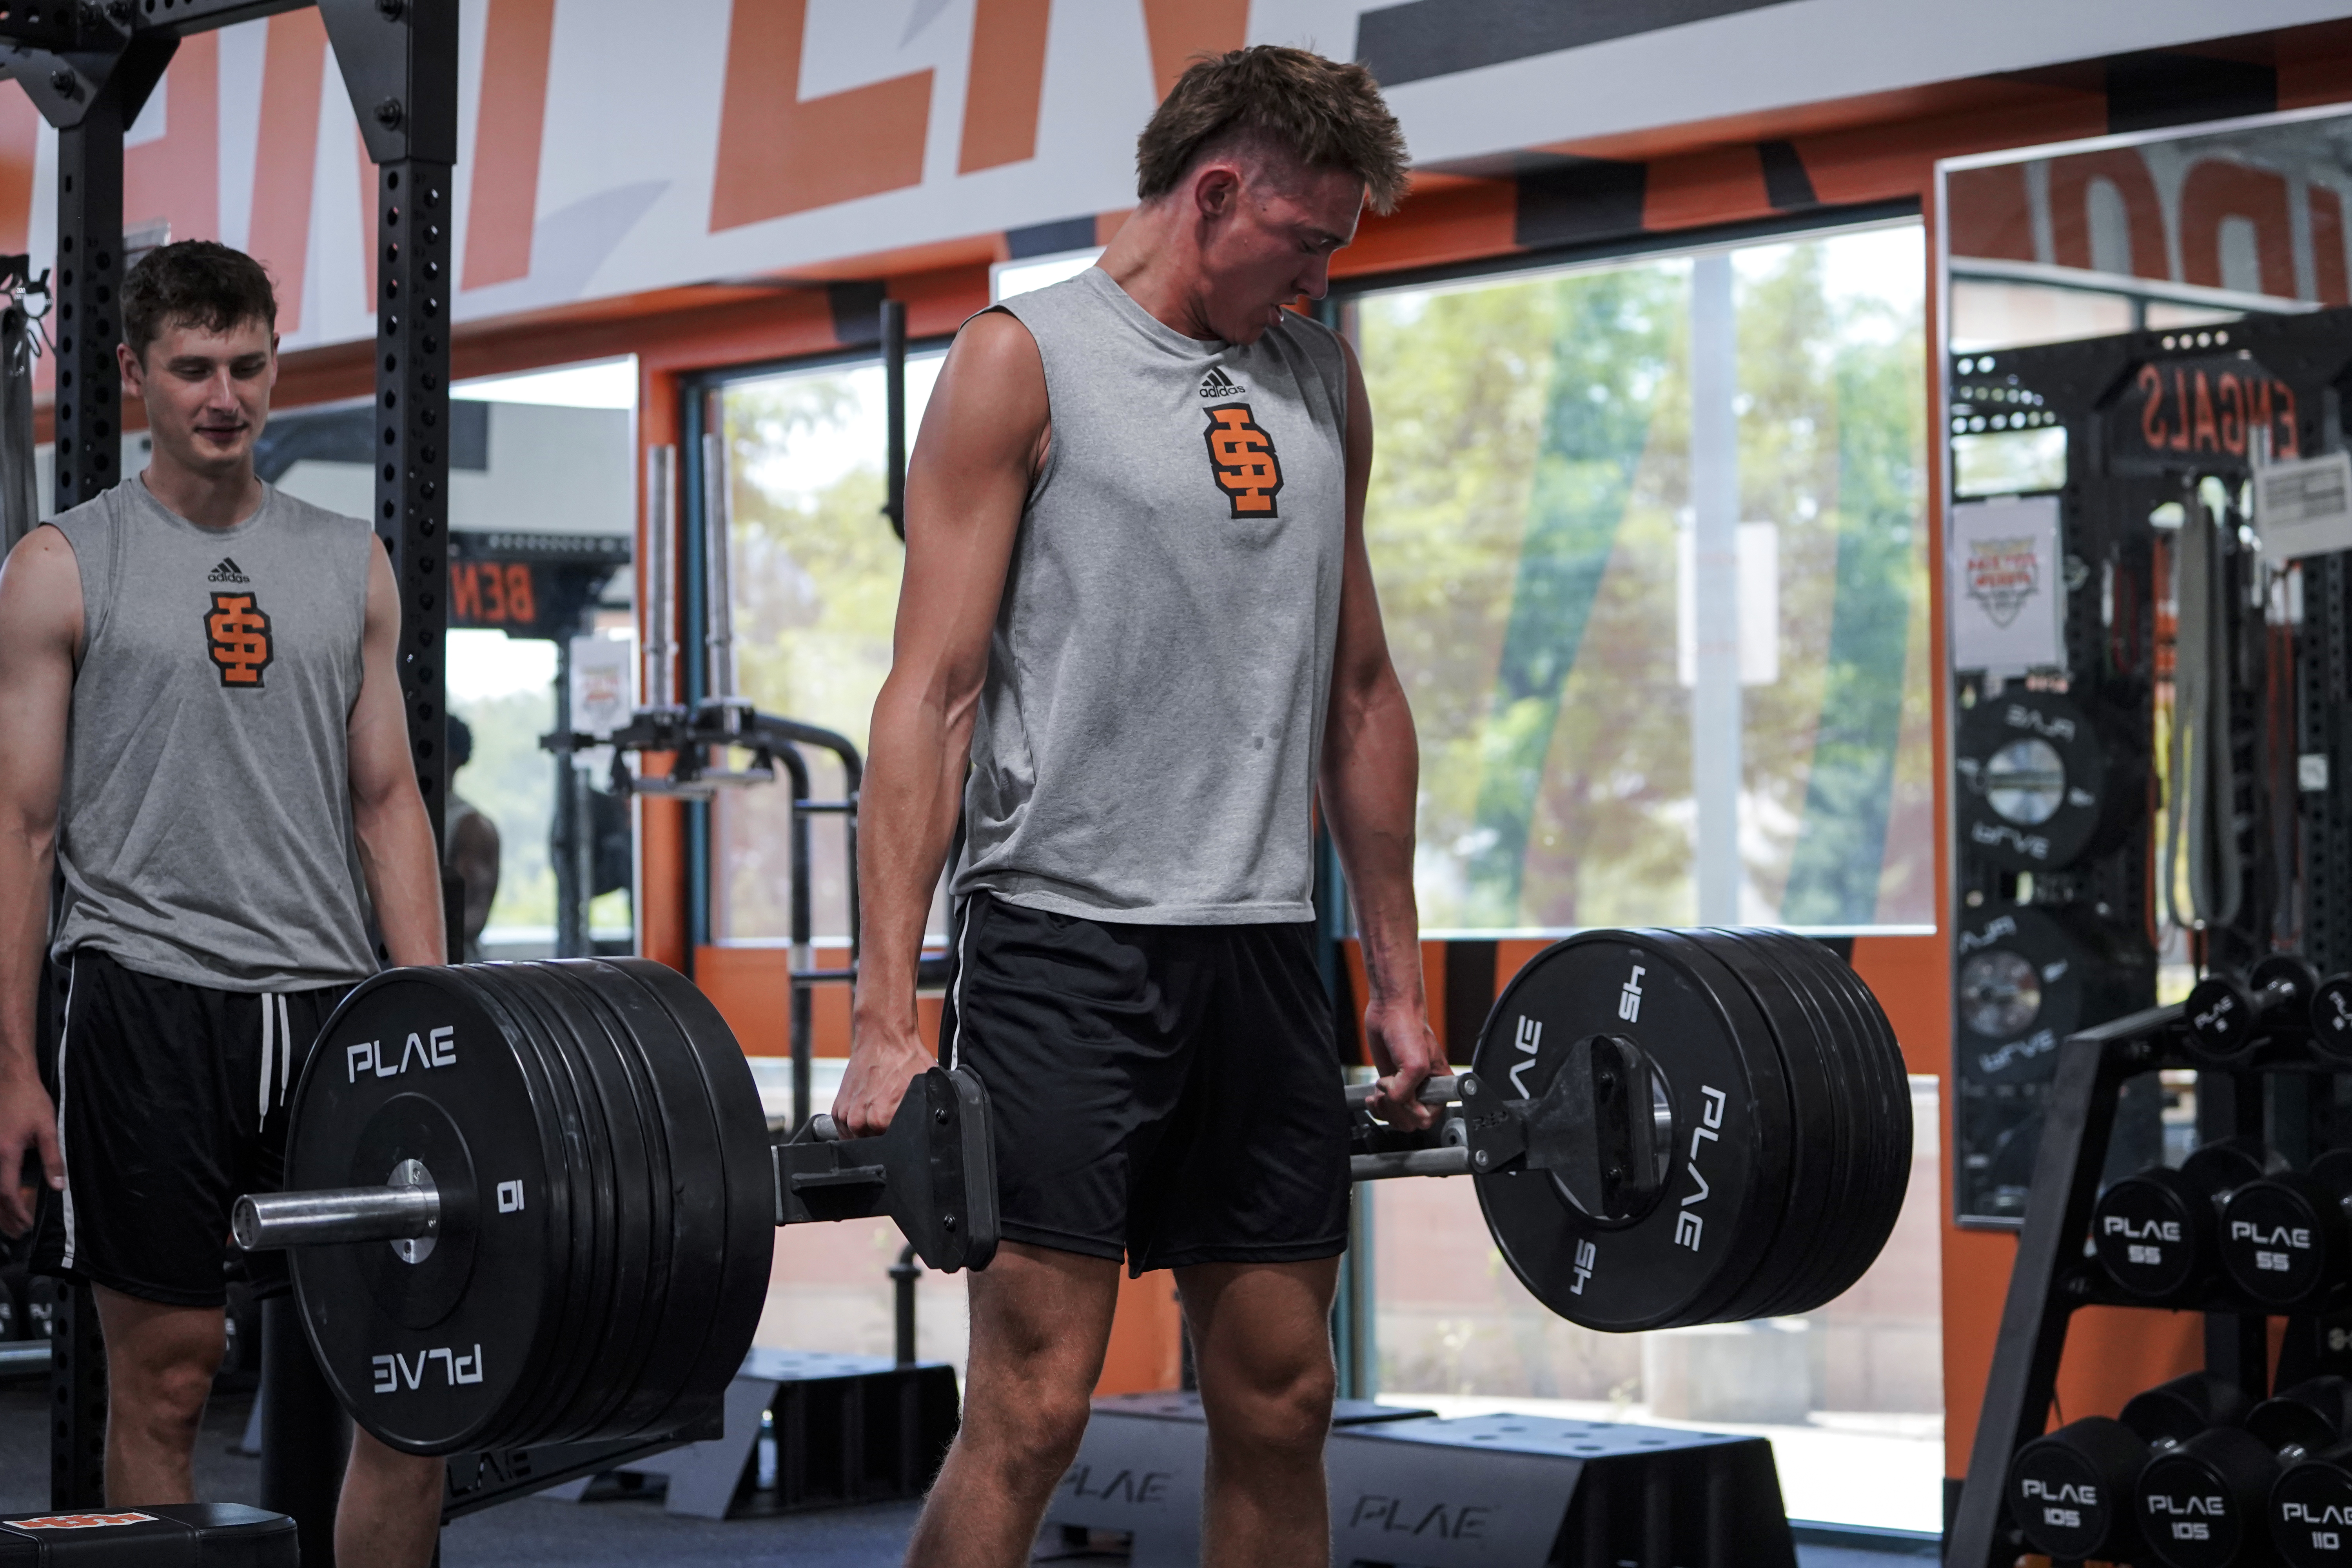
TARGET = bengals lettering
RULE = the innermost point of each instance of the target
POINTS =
(2190, 410)
(1242, 460)
(236, 633)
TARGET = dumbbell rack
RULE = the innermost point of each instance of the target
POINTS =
(2053, 1276)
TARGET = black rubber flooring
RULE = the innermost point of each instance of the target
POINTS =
(624, 1532)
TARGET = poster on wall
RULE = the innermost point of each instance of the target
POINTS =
(2008, 580)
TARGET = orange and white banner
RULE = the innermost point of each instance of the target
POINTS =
(611, 147)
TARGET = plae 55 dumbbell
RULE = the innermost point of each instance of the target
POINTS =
(2157, 1232)
(2286, 1240)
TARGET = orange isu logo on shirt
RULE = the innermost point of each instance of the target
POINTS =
(237, 634)
(1242, 460)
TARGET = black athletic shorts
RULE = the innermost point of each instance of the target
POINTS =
(1167, 1094)
(171, 1104)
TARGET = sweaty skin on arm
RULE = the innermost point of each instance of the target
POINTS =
(395, 837)
(40, 640)
(1368, 778)
(982, 439)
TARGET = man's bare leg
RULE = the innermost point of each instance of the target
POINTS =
(1261, 1345)
(159, 1363)
(390, 1515)
(1040, 1322)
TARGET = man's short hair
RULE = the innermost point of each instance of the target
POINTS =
(1329, 113)
(195, 283)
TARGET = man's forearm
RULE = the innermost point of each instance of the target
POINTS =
(906, 820)
(26, 861)
(1371, 774)
(404, 878)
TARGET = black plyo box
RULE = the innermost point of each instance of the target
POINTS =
(174, 1535)
(1484, 1491)
(1532, 1491)
(1138, 1471)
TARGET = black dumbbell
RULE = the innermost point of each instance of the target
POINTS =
(12, 1304)
(2331, 1016)
(2284, 1239)
(2071, 1491)
(2155, 1232)
(2228, 1018)
(2314, 1414)
(2205, 1503)
(2311, 1510)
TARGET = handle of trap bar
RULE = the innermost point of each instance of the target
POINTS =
(1442, 1090)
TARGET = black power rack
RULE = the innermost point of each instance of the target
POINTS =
(2054, 1276)
(2155, 425)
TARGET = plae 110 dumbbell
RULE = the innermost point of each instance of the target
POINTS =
(2072, 1492)
(2156, 1232)
(2286, 1239)
(2311, 1509)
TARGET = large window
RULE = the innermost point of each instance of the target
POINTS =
(540, 494)
(1579, 474)
(815, 572)
(1650, 542)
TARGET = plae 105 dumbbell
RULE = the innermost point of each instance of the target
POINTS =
(2072, 1492)
(2286, 1239)
(2156, 1232)
(2206, 1501)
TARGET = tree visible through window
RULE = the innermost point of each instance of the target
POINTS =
(1532, 480)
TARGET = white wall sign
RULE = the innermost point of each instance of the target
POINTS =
(2303, 508)
(602, 667)
(2008, 580)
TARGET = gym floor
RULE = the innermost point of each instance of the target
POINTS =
(537, 1533)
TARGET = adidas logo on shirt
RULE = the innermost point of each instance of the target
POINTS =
(1217, 384)
(226, 571)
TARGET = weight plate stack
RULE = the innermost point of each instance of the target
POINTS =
(1787, 1123)
(1836, 1040)
(606, 1201)
(2036, 783)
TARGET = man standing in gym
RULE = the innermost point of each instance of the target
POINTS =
(1137, 599)
(206, 737)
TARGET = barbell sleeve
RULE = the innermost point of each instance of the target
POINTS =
(1454, 1160)
(324, 1219)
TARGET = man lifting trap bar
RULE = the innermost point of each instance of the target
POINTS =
(206, 739)
(1137, 598)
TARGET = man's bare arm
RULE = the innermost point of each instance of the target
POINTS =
(1370, 773)
(395, 837)
(981, 440)
(40, 632)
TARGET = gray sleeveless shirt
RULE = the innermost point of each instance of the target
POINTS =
(205, 829)
(1146, 744)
